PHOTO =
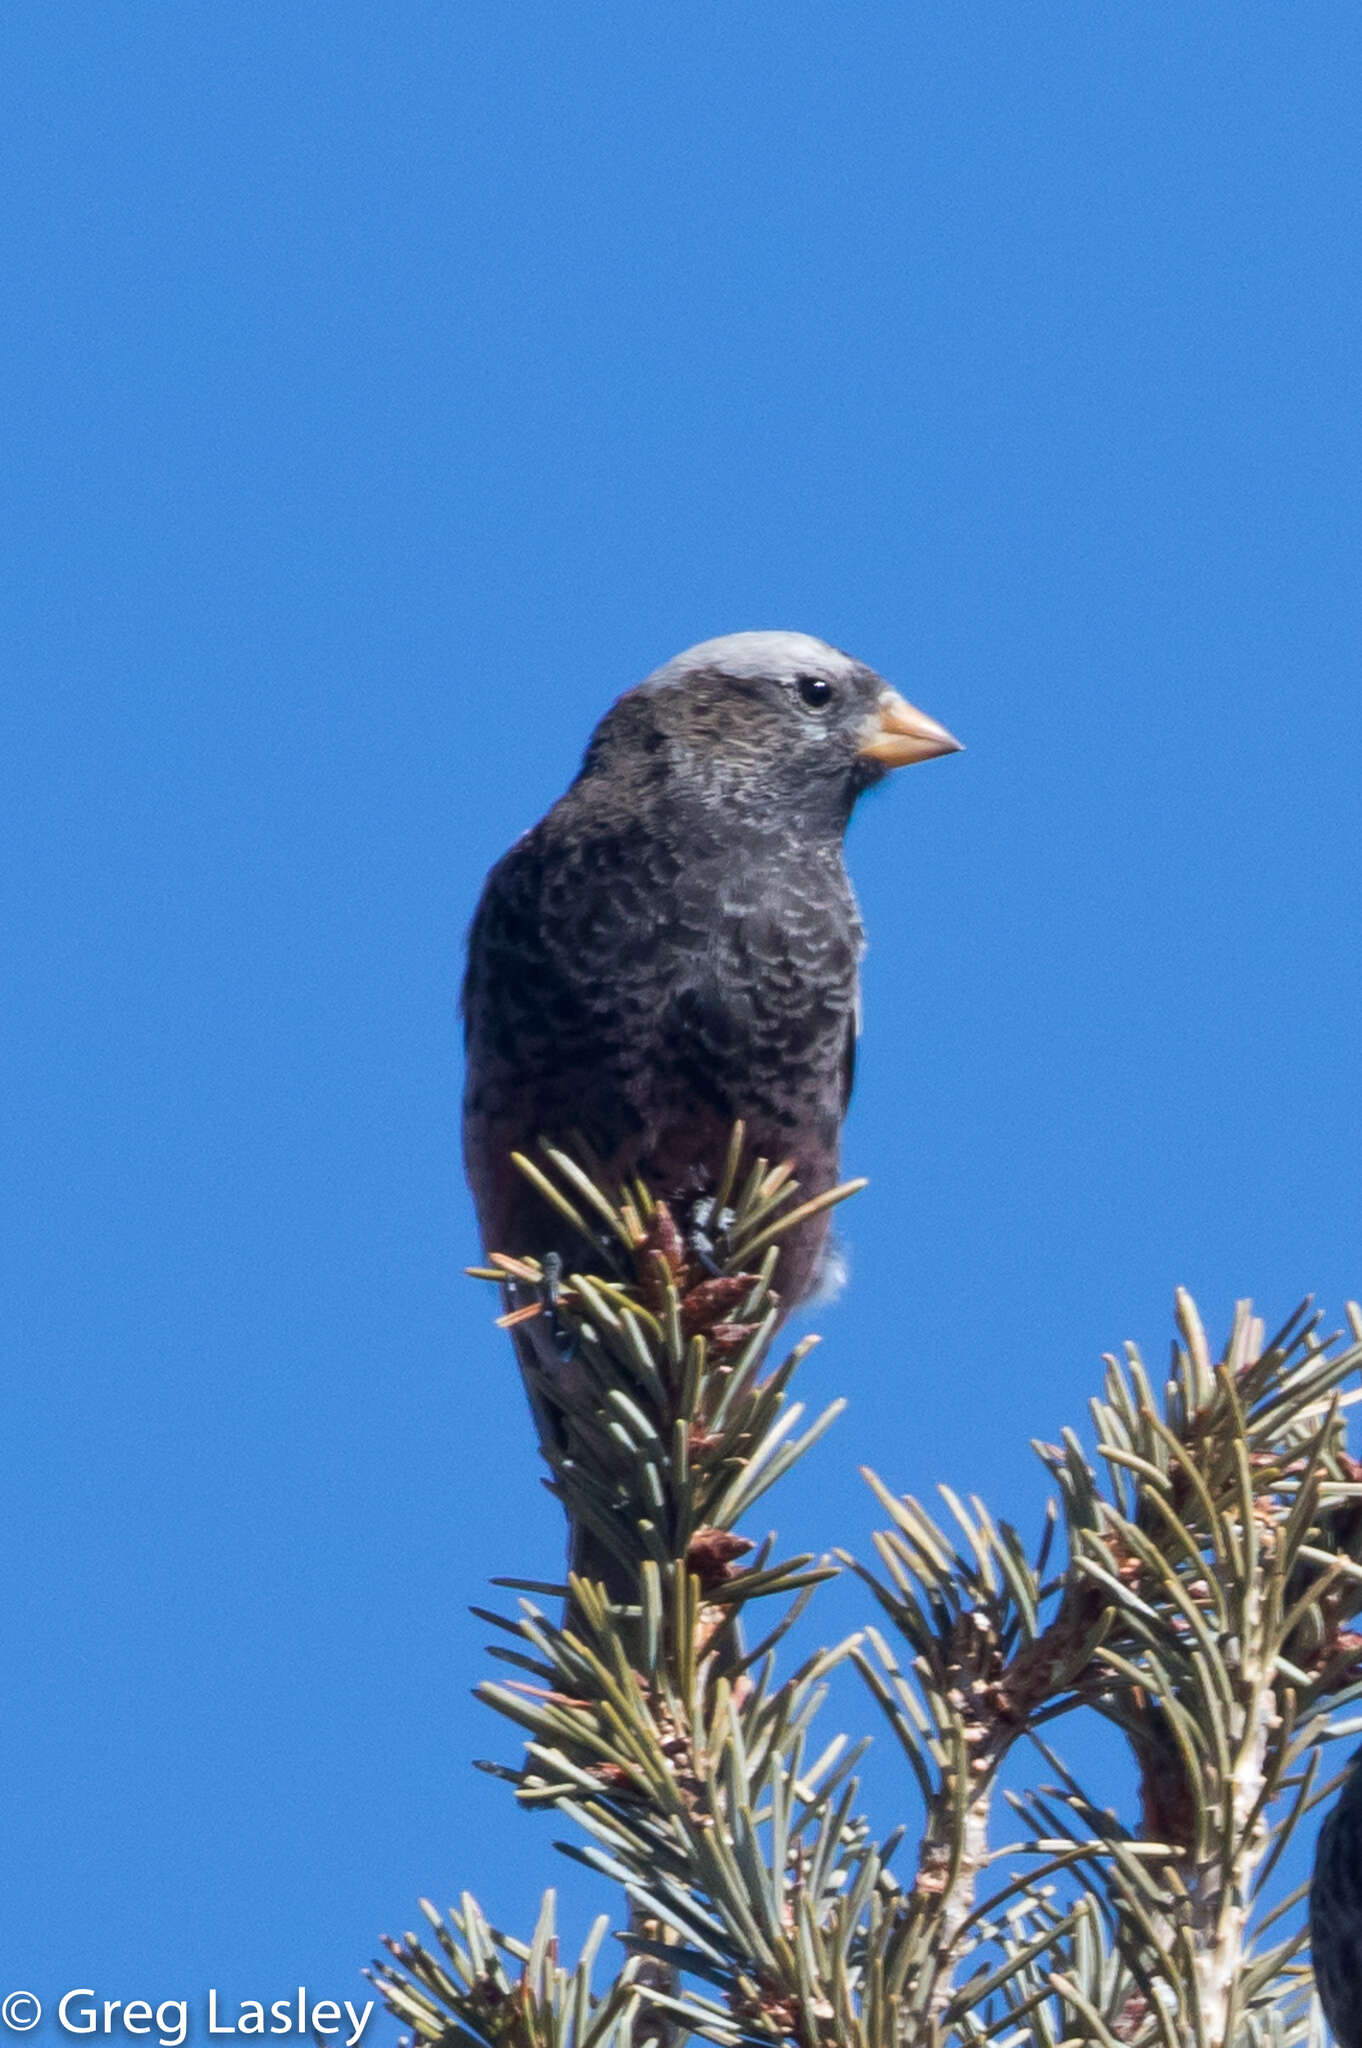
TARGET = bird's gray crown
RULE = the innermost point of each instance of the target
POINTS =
(782, 656)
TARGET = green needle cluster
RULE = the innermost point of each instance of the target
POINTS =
(1194, 1586)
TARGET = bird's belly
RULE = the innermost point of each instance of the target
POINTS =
(650, 1045)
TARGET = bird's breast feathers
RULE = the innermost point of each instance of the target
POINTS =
(614, 942)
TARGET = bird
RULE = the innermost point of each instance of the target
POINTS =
(675, 946)
(1336, 1912)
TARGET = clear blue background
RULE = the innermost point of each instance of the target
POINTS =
(387, 388)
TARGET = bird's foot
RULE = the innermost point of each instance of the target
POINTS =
(535, 1298)
(550, 1291)
(706, 1233)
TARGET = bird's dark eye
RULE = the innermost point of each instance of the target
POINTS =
(815, 692)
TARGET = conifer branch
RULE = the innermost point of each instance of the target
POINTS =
(1196, 1585)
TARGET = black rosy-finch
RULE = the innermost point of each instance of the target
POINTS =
(675, 945)
(1336, 1913)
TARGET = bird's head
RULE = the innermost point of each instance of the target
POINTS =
(767, 724)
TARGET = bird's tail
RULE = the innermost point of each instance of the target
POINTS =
(547, 1364)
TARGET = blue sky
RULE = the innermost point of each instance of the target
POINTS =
(386, 389)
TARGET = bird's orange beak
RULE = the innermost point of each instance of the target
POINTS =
(897, 733)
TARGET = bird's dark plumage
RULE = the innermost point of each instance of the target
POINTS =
(675, 946)
(1336, 1913)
